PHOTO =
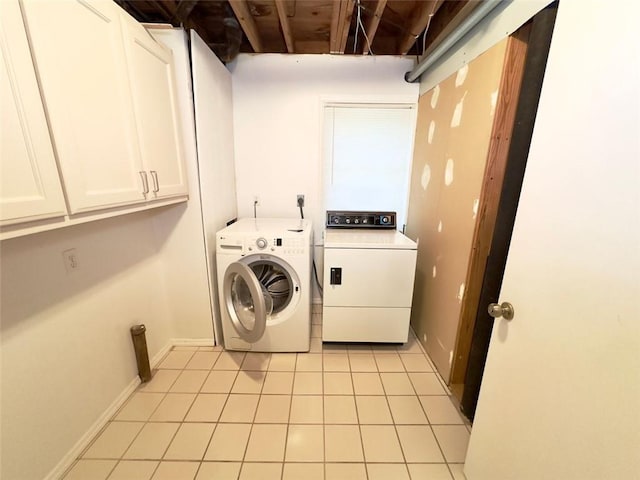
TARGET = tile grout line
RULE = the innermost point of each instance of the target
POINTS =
(353, 387)
(286, 436)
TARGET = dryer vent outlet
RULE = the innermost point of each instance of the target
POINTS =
(300, 200)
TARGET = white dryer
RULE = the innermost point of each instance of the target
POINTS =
(369, 271)
(264, 284)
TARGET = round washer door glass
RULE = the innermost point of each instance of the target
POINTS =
(247, 301)
(276, 281)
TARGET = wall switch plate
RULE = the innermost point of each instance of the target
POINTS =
(70, 258)
(300, 200)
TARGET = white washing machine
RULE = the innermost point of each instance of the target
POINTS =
(264, 284)
(369, 271)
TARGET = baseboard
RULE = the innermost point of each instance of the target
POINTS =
(192, 342)
(68, 460)
(157, 358)
(98, 425)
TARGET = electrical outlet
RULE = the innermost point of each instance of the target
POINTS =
(70, 258)
(300, 200)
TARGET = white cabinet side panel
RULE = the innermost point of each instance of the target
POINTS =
(179, 228)
(214, 136)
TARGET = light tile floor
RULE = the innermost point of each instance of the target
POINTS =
(341, 411)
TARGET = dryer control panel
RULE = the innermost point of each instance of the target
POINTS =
(361, 219)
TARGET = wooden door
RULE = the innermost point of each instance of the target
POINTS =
(79, 55)
(29, 183)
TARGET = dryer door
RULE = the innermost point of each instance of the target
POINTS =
(247, 301)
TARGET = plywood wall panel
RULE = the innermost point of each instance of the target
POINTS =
(453, 131)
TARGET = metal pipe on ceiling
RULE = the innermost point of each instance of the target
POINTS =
(467, 24)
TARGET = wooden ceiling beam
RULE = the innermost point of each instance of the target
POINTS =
(286, 27)
(248, 24)
(340, 22)
(333, 35)
(346, 23)
(372, 25)
(423, 11)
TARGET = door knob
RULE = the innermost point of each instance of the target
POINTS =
(505, 310)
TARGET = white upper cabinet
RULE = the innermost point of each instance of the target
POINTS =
(150, 66)
(79, 54)
(29, 183)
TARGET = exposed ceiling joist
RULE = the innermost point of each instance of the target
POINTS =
(284, 24)
(340, 22)
(309, 26)
(241, 9)
(422, 13)
(371, 27)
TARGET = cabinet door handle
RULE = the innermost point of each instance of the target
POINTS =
(145, 182)
(154, 177)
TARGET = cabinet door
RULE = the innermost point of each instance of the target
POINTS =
(155, 103)
(79, 56)
(29, 183)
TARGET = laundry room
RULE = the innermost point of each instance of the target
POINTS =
(300, 138)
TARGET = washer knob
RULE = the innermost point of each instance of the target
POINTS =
(262, 243)
(348, 220)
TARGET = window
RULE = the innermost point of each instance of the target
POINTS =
(368, 157)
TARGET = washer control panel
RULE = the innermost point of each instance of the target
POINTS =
(365, 219)
(286, 245)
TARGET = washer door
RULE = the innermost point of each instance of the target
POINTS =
(259, 291)
(246, 301)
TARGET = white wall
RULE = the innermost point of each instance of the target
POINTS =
(278, 112)
(66, 349)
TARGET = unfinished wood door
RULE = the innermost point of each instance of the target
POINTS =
(497, 157)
